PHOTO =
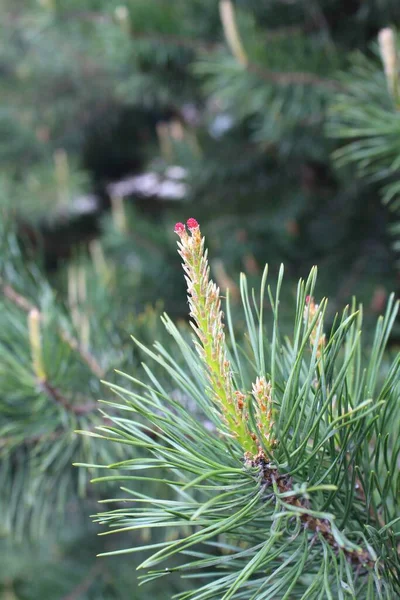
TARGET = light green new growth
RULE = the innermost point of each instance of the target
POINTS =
(205, 310)
(262, 393)
(316, 335)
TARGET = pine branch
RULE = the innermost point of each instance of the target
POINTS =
(16, 298)
(60, 399)
(234, 42)
(279, 78)
(262, 477)
(272, 479)
(28, 306)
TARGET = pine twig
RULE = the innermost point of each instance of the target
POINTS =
(59, 398)
(16, 298)
(271, 477)
(34, 317)
(293, 78)
(27, 306)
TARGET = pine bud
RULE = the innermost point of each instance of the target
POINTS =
(192, 224)
(35, 343)
(262, 393)
(310, 310)
(388, 50)
(179, 229)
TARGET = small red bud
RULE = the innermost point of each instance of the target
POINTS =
(308, 299)
(179, 228)
(192, 224)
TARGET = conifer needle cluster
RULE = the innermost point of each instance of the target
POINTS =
(265, 452)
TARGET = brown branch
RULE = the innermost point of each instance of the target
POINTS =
(279, 78)
(271, 476)
(59, 398)
(16, 298)
(178, 40)
(292, 78)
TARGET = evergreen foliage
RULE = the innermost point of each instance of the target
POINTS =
(54, 352)
(366, 114)
(256, 103)
(100, 82)
(273, 494)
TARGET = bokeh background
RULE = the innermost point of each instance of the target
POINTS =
(275, 123)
